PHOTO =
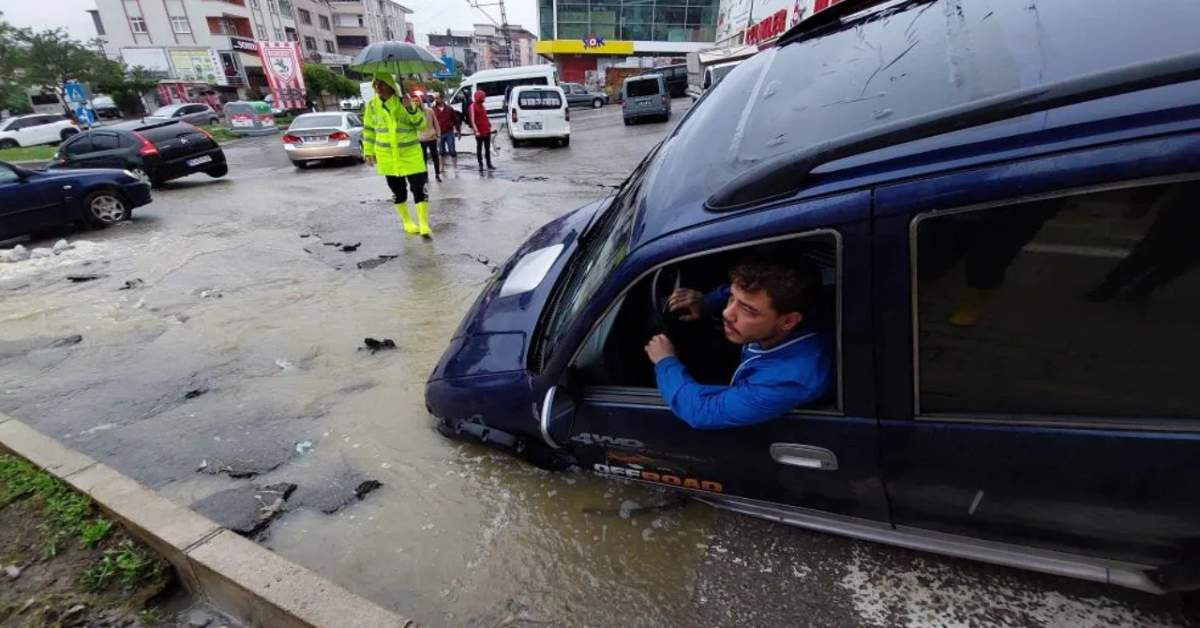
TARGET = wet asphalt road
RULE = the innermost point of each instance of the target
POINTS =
(232, 374)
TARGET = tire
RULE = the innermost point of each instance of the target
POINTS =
(597, 103)
(66, 133)
(565, 141)
(104, 207)
(628, 122)
(217, 172)
(142, 175)
(9, 143)
(516, 143)
(300, 165)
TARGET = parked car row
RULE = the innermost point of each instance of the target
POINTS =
(37, 128)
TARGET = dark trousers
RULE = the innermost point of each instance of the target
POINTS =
(483, 149)
(417, 182)
(430, 150)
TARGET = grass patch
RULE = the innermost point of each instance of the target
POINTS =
(126, 563)
(221, 134)
(28, 153)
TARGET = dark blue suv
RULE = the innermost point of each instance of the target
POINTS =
(1004, 200)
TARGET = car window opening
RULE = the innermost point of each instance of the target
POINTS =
(613, 355)
(641, 87)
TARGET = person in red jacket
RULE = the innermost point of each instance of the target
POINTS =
(449, 123)
(483, 131)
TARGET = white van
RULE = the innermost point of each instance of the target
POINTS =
(497, 83)
(538, 112)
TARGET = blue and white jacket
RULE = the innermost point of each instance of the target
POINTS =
(766, 384)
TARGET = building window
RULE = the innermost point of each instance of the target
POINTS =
(180, 25)
(291, 34)
(138, 24)
(310, 43)
(278, 35)
(272, 7)
(305, 16)
(329, 47)
(285, 7)
(352, 41)
(1113, 279)
(324, 21)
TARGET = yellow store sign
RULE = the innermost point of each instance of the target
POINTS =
(590, 46)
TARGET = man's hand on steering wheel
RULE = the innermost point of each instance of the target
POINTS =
(687, 303)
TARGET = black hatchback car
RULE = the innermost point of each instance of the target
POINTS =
(154, 152)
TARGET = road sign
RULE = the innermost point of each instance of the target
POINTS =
(73, 92)
(86, 116)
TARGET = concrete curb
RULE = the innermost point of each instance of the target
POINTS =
(237, 576)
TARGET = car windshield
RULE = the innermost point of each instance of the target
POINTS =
(165, 112)
(641, 87)
(603, 246)
(880, 68)
(317, 122)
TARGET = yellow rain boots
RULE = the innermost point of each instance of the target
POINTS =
(409, 225)
(423, 218)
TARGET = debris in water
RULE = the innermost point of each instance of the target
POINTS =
(60, 246)
(132, 283)
(350, 248)
(363, 489)
(374, 345)
(13, 572)
(82, 278)
(210, 294)
(375, 262)
(304, 447)
(331, 243)
(284, 364)
(248, 509)
(305, 235)
(192, 394)
(65, 341)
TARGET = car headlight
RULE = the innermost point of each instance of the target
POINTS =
(131, 175)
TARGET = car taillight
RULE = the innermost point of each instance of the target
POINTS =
(514, 117)
(568, 112)
(666, 99)
(206, 133)
(288, 138)
(339, 136)
(147, 148)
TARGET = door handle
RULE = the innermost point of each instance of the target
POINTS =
(804, 456)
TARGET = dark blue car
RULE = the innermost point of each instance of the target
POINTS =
(32, 202)
(1007, 217)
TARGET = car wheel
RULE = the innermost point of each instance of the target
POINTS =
(67, 133)
(217, 172)
(8, 143)
(597, 103)
(565, 141)
(141, 175)
(516, 143)
(300, 164)
(628, 122)
(103, 208)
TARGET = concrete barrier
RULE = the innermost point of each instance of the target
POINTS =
(237, 576)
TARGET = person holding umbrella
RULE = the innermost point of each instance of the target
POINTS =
(392, 125)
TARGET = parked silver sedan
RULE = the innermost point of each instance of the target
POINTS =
(192, 113)
(330, 135)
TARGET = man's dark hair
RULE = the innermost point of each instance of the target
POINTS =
(792, 287)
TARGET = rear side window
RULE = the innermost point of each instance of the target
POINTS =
(104, 141)
(643, 87)
(1080, 305)
(80, 146)
(539, 99)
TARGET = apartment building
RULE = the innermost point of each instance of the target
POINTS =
(357, 23)
(318, 41)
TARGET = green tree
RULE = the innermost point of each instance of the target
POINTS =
(12, 58)
(51, 57)
(321, 80)
(126, 86)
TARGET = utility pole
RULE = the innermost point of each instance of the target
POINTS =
(507, 55)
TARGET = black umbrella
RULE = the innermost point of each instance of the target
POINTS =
(396, 58)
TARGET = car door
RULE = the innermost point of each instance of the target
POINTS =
(822, 459)
(74, 153)
(104, 151)
(26, 203)
(1039, 343)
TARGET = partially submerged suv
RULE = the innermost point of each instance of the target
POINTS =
(1007, 220)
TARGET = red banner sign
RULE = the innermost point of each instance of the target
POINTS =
(281, 62)
(821, 5)
(768, 29)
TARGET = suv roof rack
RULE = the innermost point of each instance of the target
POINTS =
(784, 175)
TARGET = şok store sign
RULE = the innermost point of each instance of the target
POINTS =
(281, 62)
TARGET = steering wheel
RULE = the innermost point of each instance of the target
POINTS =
(662, 285)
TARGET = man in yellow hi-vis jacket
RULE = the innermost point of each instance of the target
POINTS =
(391, 127)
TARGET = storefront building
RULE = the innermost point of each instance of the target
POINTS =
(760, 22)
(585, 37)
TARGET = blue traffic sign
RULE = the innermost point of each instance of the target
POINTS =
(73, 92)
(86, 116)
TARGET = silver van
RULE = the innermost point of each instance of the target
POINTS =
(645, 96)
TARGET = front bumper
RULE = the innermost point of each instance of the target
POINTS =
(138, 193)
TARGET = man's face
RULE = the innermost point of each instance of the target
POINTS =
(440, 100)
(384, 90)
(750, 317)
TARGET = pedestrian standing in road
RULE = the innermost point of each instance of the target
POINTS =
(392, 124)
(483, 132)
(429, 139)
(449, 123)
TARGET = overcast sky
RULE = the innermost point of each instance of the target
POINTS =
(428, 15)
